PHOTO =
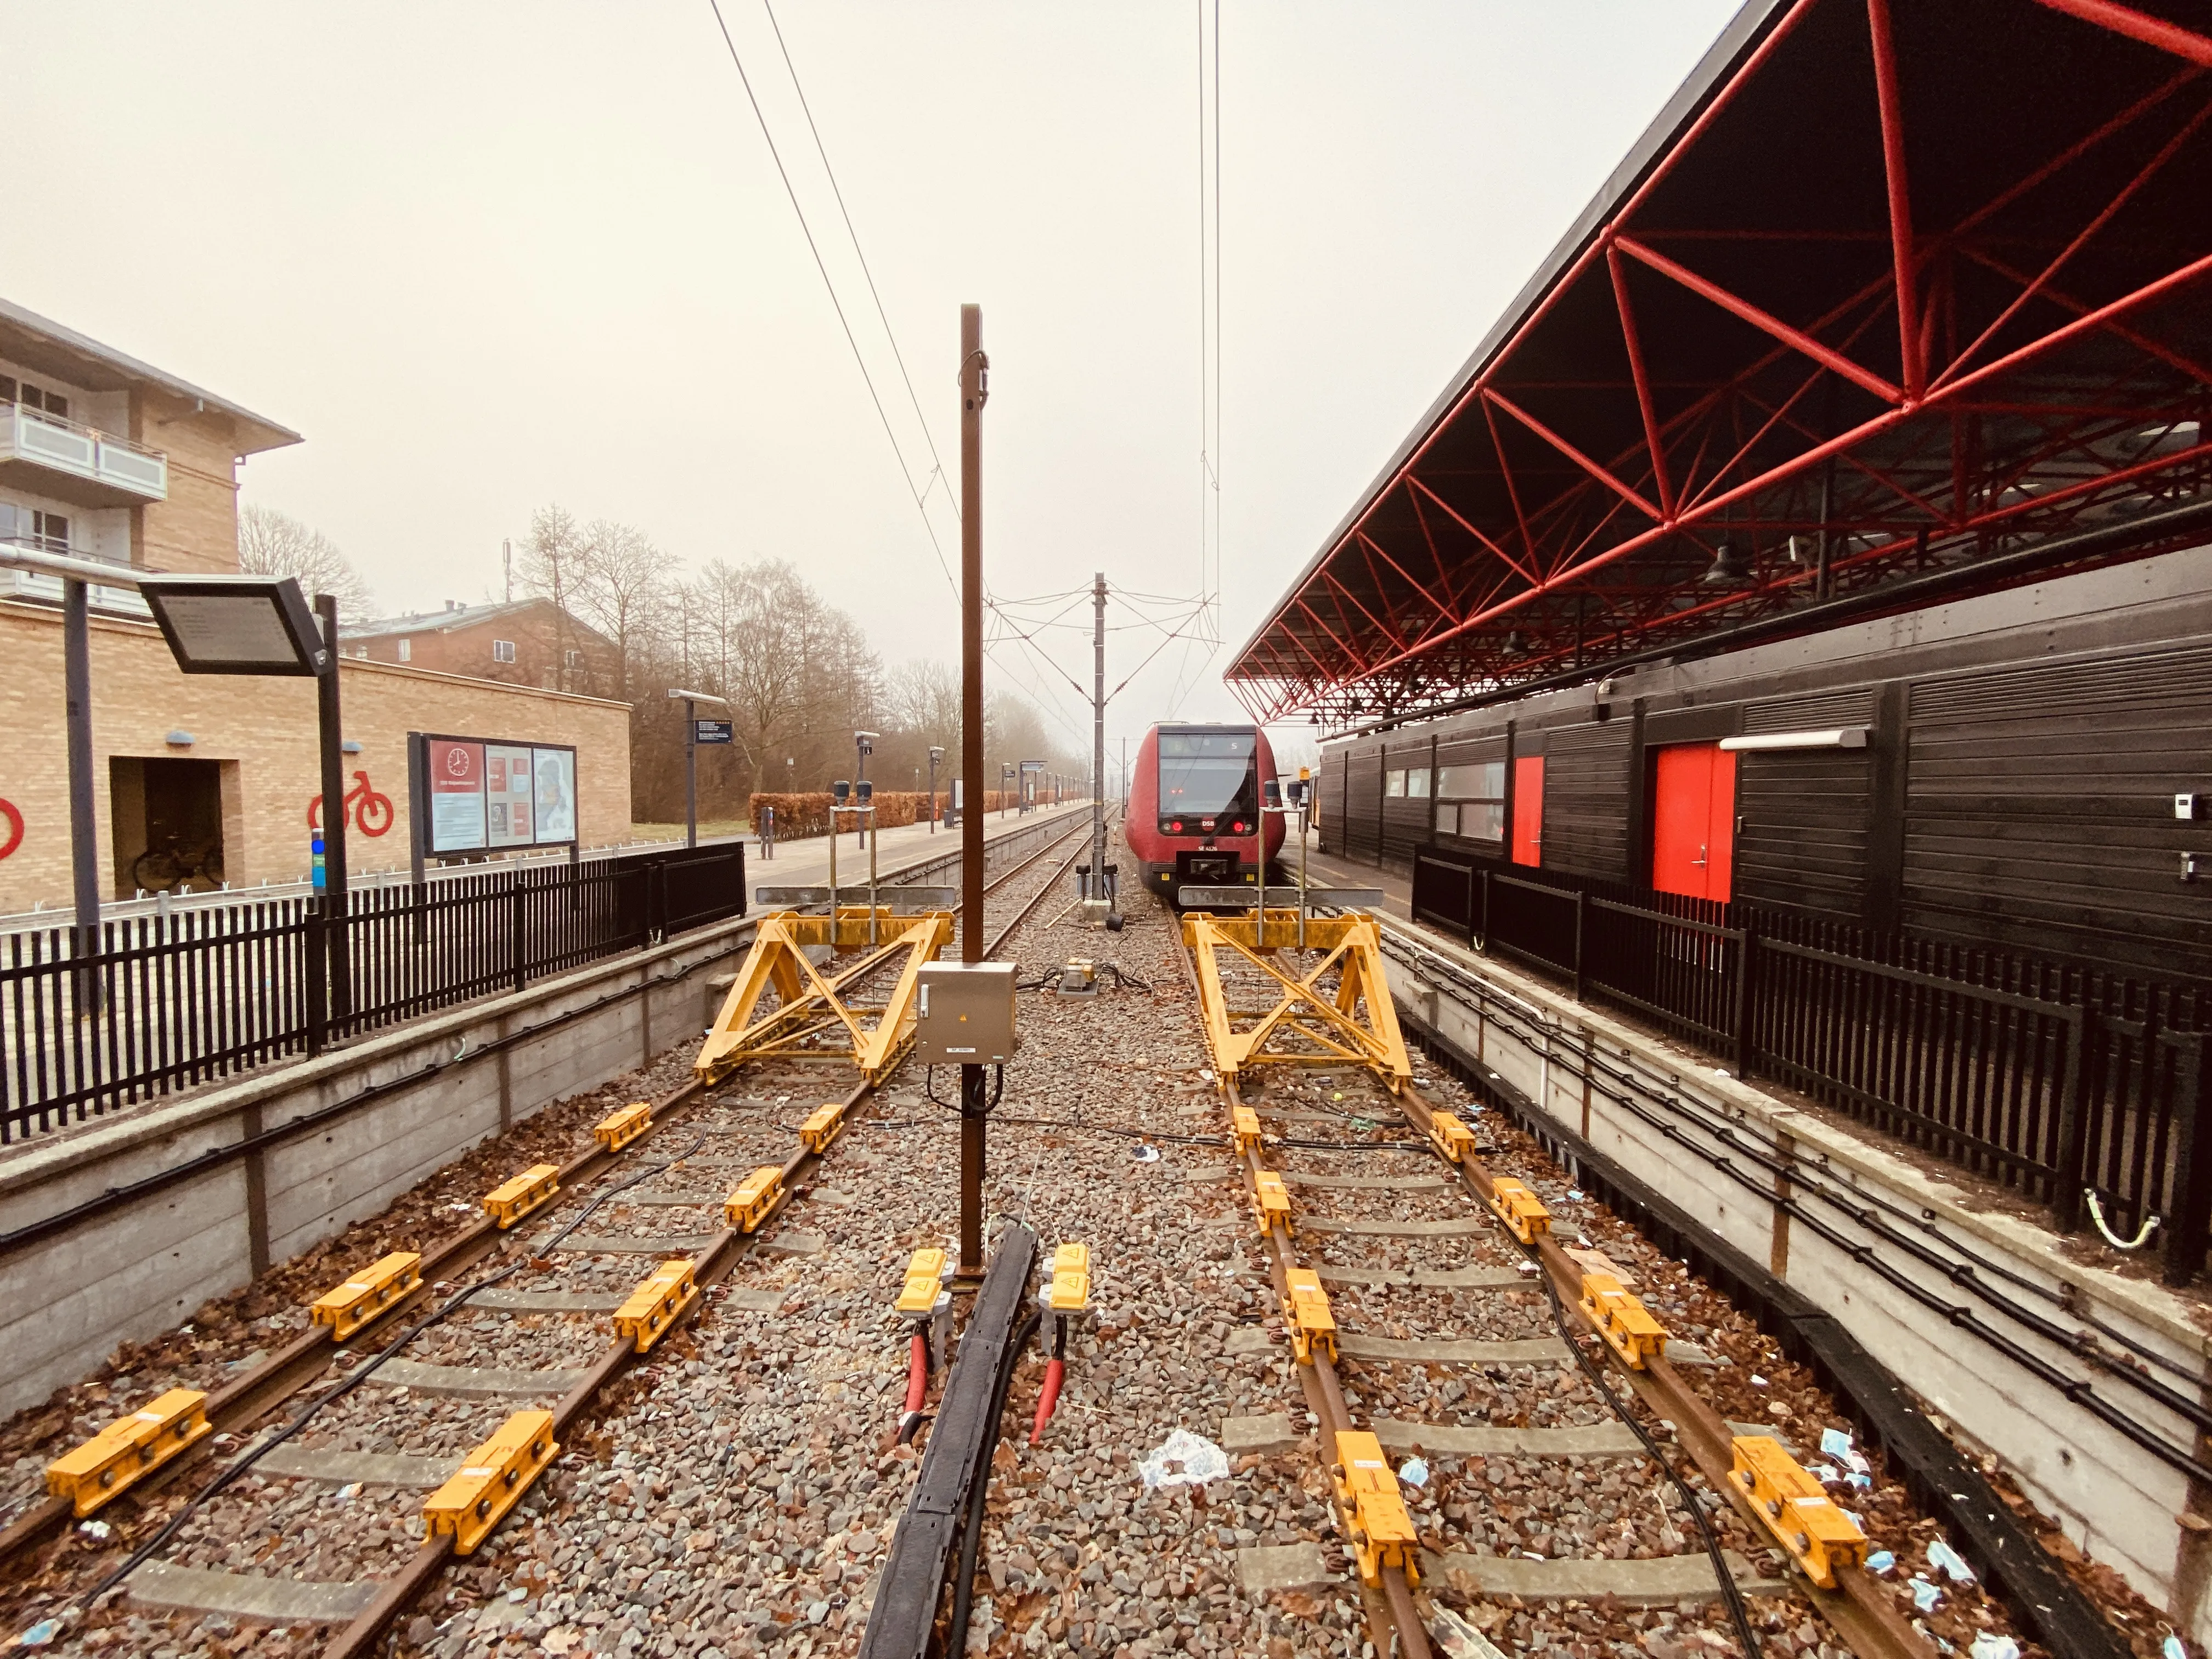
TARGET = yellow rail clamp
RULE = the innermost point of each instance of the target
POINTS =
(1815, 1534)
(618, 1131)
(490, 1482)
(748, 1207)
(1271, 1203)
(658, 1303)
(1305, 1311)
(1367, 1492)
(1244, 1124)
(129, 1448)
(925, 1283)
(367, 1294)
(1520, 1209)
(822, 1126)
(1451, 1136)
(1071, 1280)
(509, 1203)
(1622, 1319)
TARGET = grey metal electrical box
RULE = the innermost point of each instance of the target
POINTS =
(964, 1013)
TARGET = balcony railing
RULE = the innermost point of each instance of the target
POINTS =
(47, 590)
(55, 456)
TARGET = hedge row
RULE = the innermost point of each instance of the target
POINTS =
(798, 815)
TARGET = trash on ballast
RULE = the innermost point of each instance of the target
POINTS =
(1458, 1638)
(1825, 1475)
(1954, 1565)
(1757, 1381)
(1837, 1443)
(1988, 1645)
(40, 1634)
(1575, 1194)
(1146, 1154)
(1925, 1596)
(1414, 1471)
(1881, 1561)
(1527, 1266)
(1184, 1459)
(94, 1529)
(348, 1493)
(2173, 1647)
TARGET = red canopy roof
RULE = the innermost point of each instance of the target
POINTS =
(1890, 287)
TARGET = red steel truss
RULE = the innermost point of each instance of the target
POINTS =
(1897, 286)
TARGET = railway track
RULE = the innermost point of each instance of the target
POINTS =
(408, 1392)
(1505, 1437)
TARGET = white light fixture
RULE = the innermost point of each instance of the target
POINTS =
(178, 741)
(237, 624)
(1842, 737)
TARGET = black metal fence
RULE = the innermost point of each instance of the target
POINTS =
(167, 1003)
(2073, 1086)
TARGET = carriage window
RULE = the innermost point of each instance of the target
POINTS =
(1480, 791)
(1417, 783)
(1394, 785)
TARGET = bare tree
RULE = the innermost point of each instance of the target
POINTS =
(273, 543)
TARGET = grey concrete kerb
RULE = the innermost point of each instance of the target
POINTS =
(2156, 1308)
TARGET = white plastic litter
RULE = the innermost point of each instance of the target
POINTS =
(1414, 1471)
(1991, 1645)
(1949, 1562)
(1757, 1381)
(1825, 1475)
(1837, 1443)
(1184, 1459)
(1881, 1561)
(1459, 1639)
(2173, 1647)
(1147, 1154)
(46, 1629)
(93, 1529)
(1925, 1596)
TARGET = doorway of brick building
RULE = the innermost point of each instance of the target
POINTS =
(167, 823)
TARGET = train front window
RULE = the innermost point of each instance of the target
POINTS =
(1207, 774)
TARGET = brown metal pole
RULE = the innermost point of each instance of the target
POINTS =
(973, 388)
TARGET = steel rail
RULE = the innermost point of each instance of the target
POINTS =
(360, 1638)
(1393, 1611)
(1035, 899)
(1860, 1611)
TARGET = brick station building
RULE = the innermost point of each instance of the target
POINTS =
(105, 458)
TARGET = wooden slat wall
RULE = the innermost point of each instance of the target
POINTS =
(2041, 812)
(1362, 825)
(1585, 800)
(1406, 819)
(1803, 839)
(1329, 776)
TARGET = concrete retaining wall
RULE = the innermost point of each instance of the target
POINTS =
(2117, 1501)
(138, 1268)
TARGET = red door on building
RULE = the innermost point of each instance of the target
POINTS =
(1528, 809)
(1693, 821)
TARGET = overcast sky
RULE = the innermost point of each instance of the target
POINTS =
(488, 256)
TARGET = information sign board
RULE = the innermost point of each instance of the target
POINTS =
(711, 731)
(488, 796)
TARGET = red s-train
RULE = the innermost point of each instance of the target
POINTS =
(1194, 799)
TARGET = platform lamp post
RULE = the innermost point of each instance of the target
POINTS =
(974, 389)
(690, 700)
(935, 756)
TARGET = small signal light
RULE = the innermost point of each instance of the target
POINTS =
(1238, 828)
(1175, 826)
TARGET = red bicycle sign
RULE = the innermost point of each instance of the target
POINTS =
(366, 809)
(11, 828)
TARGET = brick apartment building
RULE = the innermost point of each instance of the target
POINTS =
(105, 458)
(521, 642)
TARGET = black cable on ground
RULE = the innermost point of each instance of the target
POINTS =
(245, 1461)
(971, 1541)
(1731, 1592)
